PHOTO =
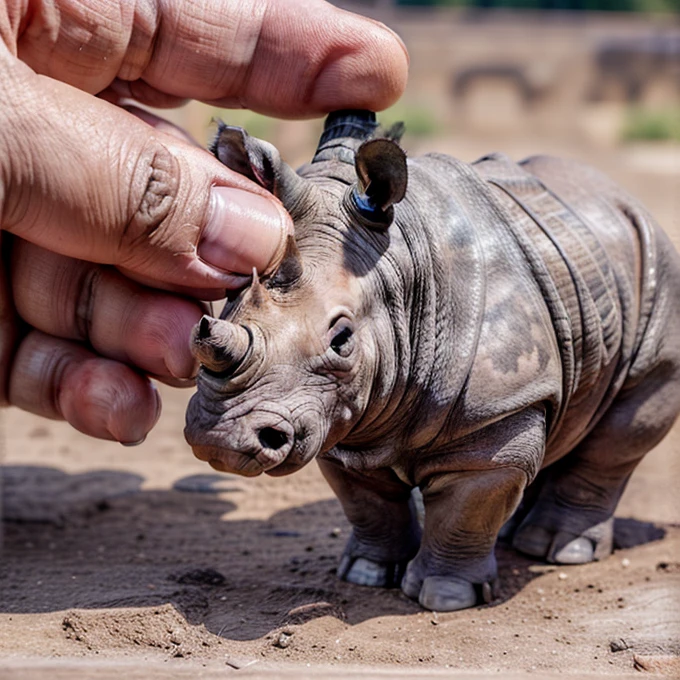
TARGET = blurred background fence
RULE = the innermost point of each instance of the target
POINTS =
(587, 72)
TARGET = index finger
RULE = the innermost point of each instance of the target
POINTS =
(289, 58)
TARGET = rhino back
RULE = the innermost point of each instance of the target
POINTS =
(595, 251)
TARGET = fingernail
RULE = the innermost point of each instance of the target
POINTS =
(158, 405)
(137, 443)
(159, 402)
(244, 230)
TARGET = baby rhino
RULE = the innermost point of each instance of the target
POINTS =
(488, 333)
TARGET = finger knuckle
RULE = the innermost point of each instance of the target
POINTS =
(155, 187)
(83, 310)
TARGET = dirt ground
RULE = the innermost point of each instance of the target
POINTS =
(143, 562)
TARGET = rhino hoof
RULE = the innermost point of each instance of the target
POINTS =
(563, 547)
(442, 594)
(364, 572)
(577, 551)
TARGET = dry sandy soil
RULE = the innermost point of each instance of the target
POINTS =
(143, 562)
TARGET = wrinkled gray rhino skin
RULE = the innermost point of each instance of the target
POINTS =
(503, 332)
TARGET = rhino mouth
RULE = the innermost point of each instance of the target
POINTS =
(227, 460)
(250, 439)
(250, 447)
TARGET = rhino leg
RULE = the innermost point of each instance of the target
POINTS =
(571, 521)
(386, 533)
(469, 493)
(455, 567)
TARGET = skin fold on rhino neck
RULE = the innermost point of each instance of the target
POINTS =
(410, 321)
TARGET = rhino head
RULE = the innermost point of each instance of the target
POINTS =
(290, 367)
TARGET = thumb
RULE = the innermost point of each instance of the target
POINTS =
(86, 179)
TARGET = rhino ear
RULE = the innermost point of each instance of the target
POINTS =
(240, 152)
(383, 175)
(260, 162)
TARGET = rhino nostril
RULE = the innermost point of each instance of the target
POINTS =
(271, 438)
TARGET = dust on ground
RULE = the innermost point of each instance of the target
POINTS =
(143, 562)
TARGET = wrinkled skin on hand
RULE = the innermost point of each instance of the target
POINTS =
(103, 206)
(504, 337)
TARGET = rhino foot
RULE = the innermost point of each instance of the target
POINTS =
(446, 594)
(365, 572)
(564, 547)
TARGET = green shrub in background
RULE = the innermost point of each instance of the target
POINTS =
(652, 125)
(419, 121)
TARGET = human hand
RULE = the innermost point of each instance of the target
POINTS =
(104, 208)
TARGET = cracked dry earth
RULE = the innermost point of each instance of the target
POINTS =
(143, 562)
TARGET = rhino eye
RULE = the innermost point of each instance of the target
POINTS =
(341, 342)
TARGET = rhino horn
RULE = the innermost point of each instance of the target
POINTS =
(257, 293)
(220, 346)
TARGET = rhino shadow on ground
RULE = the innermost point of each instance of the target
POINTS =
(99, 541)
